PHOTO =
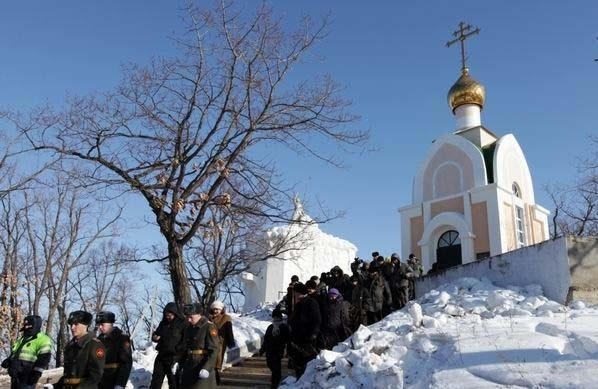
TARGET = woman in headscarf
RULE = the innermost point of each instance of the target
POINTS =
(226, 338)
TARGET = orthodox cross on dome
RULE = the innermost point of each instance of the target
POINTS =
(464, 32)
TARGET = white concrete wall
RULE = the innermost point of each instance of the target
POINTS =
(545, 264)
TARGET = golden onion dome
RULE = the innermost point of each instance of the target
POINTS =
(466, 91)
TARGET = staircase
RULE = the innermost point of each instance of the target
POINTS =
(250, 372)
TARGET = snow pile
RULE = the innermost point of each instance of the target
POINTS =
(467, 334)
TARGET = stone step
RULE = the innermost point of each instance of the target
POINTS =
(244, 382)
(250, 373)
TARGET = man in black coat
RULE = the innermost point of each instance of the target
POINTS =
(119, 357)
(276, 338)
(170, 347)
(305, 328)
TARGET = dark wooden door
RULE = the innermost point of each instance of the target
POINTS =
(448, 251)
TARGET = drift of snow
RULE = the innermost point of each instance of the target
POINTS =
(467, 334)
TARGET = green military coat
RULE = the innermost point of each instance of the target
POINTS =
(201, 351)
(84, 360)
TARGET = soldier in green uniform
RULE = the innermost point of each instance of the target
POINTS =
(119, 358)
(84, 355)
(29, 355)
(200, 338)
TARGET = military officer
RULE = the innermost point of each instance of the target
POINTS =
(119, 358)
(200, 339)
(84, 355)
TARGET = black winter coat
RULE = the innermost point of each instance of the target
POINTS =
(119, 358)
(335, 323)
(380, 294)
(275, 342)
(170, 343)
(306, 320)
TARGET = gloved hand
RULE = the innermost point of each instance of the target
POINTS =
(119, 387)
(175, 368)
(6, 363)
(33, 377)
(203, 374)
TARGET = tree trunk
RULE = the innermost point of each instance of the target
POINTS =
(178, 275)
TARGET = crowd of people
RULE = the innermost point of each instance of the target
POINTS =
(190, 350)
(326, 309)
(321, 312)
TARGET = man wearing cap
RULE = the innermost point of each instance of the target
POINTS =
(119, 358)
(196, 369)
(84, 355)
(29, 355)
(225, 333)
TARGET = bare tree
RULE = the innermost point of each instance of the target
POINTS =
(233, 242)
(576, 205)
(11, 297)
(185, 131)
(105, 266)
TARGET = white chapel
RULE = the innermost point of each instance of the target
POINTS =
(473, 195)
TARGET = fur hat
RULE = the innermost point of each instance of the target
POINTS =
(395, 256)
(192, 309)
(217, 305)
(80, 317)
(277, 313)
(105, 317)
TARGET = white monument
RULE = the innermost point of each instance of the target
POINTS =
(312, 252)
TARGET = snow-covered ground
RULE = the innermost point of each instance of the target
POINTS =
(468, 334)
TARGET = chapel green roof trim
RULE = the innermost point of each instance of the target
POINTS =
(488, 153)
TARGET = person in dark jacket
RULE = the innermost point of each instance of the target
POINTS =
(200, 338)
(169, 338)
(29, 355)
(401, 281)
(84, 355)
(380, 295)
(305, 328)
(360, 299)
(226, 339)
(276, 338)
(335, 320)
(340, 281)
(119, 357)
(290, 298)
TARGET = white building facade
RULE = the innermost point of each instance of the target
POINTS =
(315, 252)
(473, 195)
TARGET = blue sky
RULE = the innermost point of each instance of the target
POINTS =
(535, 59)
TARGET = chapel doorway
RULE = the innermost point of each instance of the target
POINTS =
(448, 250)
